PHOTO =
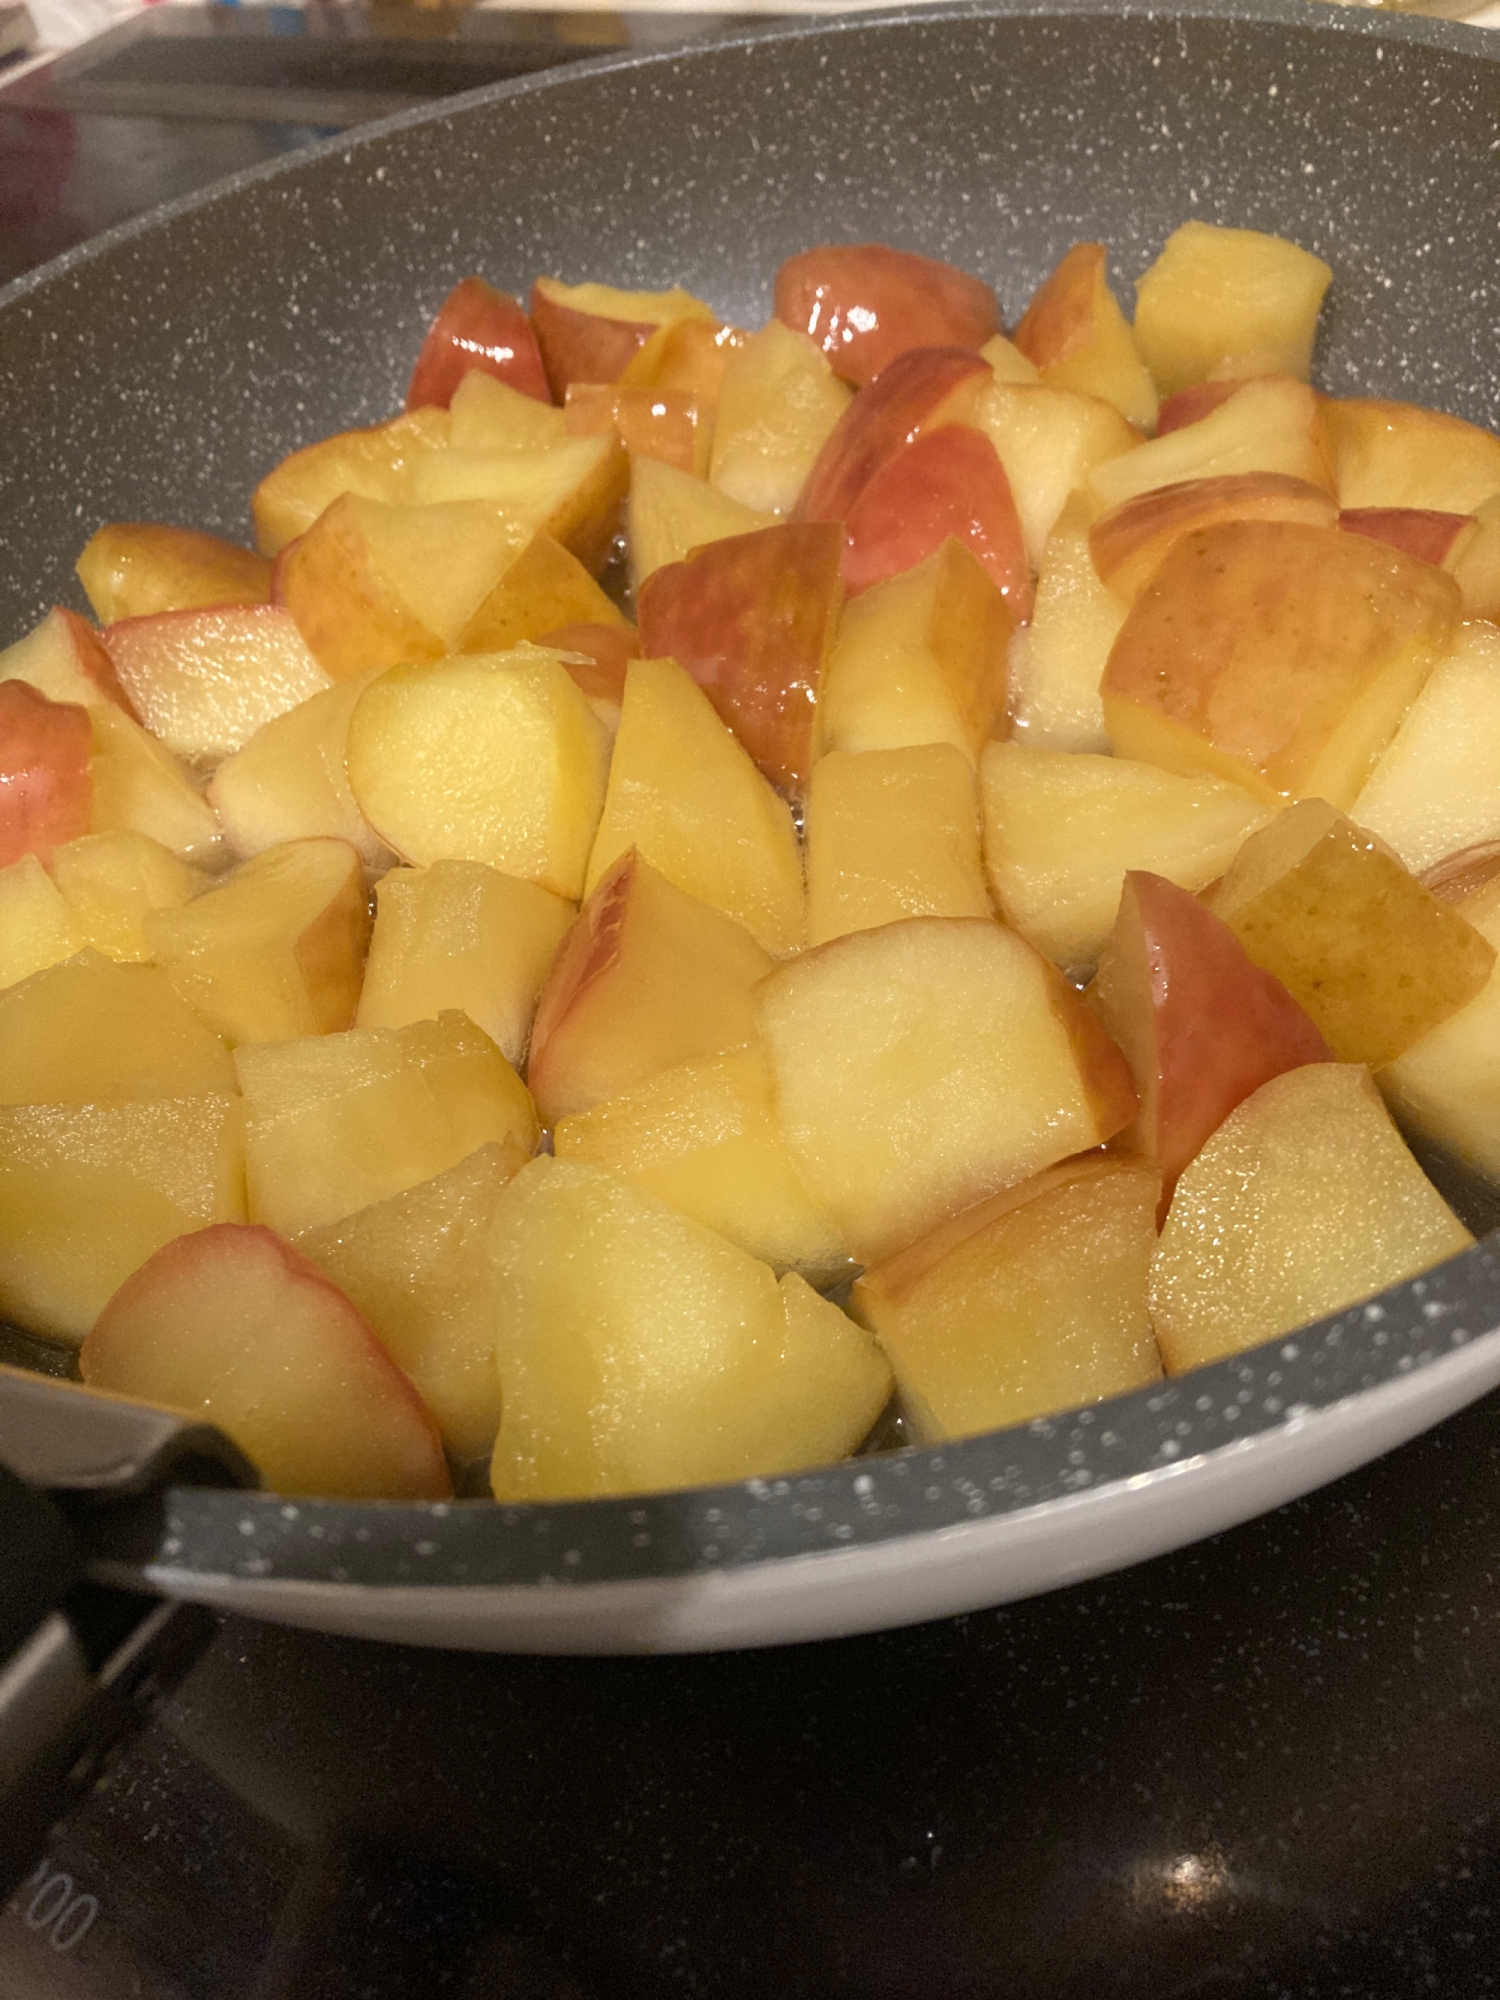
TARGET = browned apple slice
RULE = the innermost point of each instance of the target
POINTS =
(236, 1326)
(865, 304)
(947, 482)
(1228, 302)
(1076, 335)
(134, 569)
(752, 618)
(45, 793)
(1129, 543)
(477, 328)
(590, 332)
(921, 389)
(544, 587)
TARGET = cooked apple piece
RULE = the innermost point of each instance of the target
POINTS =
(926, 1065)
(1474, 563)
(1280, 656)
(489, 415)
(892, 834)
(37, 928)
(703, 1138)
(665, 424)
(477, 330)
(1228, 303)
(276, 949)
(573, 491)
(921, 658)
(139, 787)
(1200, 1024)
(1057, 663)
(752, 618)
(493, 757)
(136, 569)
(670, 513)
(1129, 543)
(686, 795)
(1061, 830)
(110, 880)
(1304, 1201)
(1437, 788)
(1077, 337)
(1049, 441)
(686, 357)
(1445, 1088)
(1389, 454)
(289, 781)
(922, 389)
(597, 658)
(863, 304)
(64, 659)
(461, 935)
(377, 464)
(1030, 1302)
(778, 403)
(591, 332)
(543, 588)
(716, 1372)
(1271, 425)
(335, 1123)
(89, 1191)
(1462, 874)
(89, 1031)
(947, 482)
(1375, 959)
(1200, 399)
(242, 1331)
(1007, 362)
(648, 977)
(417, 1270)
(1420, 531)
(45, 793)
(203, 681)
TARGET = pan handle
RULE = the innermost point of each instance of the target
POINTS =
(65, 1438)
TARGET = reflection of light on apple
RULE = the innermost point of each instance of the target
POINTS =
(1181, 1884)
(861, 319)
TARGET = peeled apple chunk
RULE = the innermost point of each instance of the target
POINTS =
(1032, 1301)
(89, 1191)
(670, 513)
(495, 757)
(1222, 303)
(639, 1351)
(1389, 454)
(1265, 428)
(335, 1123)
(37, 927)
(110, 880)
(1057, 663)
(1303, 1202)
(235, 1328)
(925, 1065)
(90, 1031)
(778, 403)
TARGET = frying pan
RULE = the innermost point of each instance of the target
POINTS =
(159, 371)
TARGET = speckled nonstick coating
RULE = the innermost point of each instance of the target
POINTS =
(159, 371)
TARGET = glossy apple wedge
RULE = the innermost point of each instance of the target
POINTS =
(666, 424)
(648, 977)
(277, 948)
(752, 618)
(920, 390)
(488, 415)
(591, 332)
(1201, 1025)
(1474, 562)
(1277, 655)
(541, 588)
(892, 834)
(686, 795)
(477, 328)
(494, 757)
(1128, 543)
(703, 1138)
(1375, 958)
(460, 935)
(110, 880)
(925, 1065)
(377, 464)
(1075, 334)
(573, 490)
(1057, 663)
(1420, 531)
(778, 402)
(235, 1327)
(335, 1123)
(1061, 830)
(1390, 454)
(1049, 442)
(715, 1371)
(90, 1031)
(1200, 399)
(671, 513)
(947, 482)
(138, 786)
(136, 569)
(1031, 1302)
(1270, 425)
(37, 928)
(64, 659)
(864, 304)
(1228, 303)
(686, 357)
(1304, 1201)
(45, 792)
(204, 680)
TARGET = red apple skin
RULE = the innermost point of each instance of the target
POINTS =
(586, 953)
(751, 618)
(582, 346)
(864, 304)
(1219, 1026)
(881, 419)
(1188, 405)
(606, 651)
(948, 481)
(1423, 532)
(45, 791)
(477, 327)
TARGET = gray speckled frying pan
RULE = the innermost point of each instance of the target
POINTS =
(158, 372)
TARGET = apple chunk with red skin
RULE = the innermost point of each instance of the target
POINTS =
(1074, 332)
(864, 304)
(235, 1326)
(45, 792)
(1201, 1025)
(64, 659)
(920, 390)
(591, 333)
(1425, 532)
(752, 619)
(946, 482)
(477, 327)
